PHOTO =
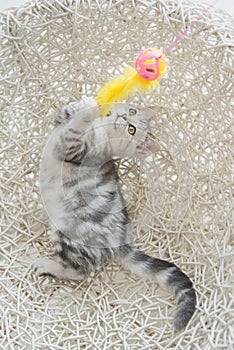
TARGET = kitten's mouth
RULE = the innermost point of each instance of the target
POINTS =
(149, 145)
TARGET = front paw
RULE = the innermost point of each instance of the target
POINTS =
(44, 267)
(90, 109)
(86, 109)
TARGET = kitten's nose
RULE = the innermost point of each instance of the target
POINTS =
(124, 116)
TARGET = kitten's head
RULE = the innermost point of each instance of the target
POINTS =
(128, 131)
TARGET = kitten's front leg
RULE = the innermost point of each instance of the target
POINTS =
(72, 145)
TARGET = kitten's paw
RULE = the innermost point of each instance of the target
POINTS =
(55, 269)
(89, 108)
(88, 102)
(44, 267)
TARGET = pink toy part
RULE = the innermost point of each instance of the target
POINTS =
(147, 64)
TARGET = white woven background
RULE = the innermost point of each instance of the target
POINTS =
(53, 52)
(226, 5)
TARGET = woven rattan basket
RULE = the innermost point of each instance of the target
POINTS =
(180, 203)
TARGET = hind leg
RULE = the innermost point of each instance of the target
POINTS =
(56, 269)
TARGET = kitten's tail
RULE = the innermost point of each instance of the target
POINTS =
(168, 276)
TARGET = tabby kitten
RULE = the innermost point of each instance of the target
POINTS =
(88, 216)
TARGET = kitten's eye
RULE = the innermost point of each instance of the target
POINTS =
(108, 114)
(131, 129)
(132, 111)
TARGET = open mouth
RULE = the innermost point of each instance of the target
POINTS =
(149, 145)
(142, 147)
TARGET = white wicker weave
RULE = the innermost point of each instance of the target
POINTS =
(53, 52)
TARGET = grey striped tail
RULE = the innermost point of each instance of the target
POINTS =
(168, 276)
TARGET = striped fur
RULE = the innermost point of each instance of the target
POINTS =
(88, 216)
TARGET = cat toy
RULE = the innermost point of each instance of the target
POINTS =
(150, 65)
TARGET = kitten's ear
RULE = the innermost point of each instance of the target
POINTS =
(151, 112)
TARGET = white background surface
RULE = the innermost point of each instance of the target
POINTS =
(227, 5)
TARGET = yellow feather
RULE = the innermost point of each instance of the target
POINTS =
(123, 86)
